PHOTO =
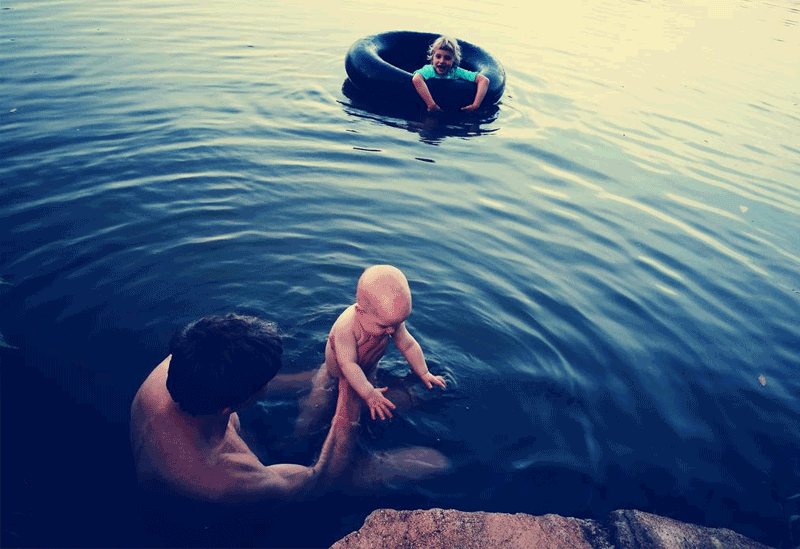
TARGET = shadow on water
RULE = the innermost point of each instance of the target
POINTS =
(412, 117)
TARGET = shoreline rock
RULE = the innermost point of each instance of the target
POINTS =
(451, 529)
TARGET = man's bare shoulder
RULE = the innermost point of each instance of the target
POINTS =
(152, 394)
(148, 407)
(172, 452)
(227, 470)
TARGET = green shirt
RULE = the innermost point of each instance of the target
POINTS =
(456, 73)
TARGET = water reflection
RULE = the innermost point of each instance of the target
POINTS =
(432, 129)
(628, 236)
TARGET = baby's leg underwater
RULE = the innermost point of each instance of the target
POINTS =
(318, 404)
(289, 383)
(376, 470)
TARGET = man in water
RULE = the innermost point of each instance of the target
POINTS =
(185, 431)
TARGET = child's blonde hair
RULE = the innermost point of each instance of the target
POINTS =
(449, 44)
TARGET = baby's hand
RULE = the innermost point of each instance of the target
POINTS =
(429, 379)
(379, 403)
(470, 108)
(434, 108)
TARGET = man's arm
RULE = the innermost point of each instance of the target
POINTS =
(297, 482)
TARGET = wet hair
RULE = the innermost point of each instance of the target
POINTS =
(222, 361)
(449, 44)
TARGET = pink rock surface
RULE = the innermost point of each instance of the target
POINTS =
(449, 529)
(636, 529)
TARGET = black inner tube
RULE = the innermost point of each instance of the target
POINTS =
(382, 65)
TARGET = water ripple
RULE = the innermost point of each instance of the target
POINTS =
(604, 267)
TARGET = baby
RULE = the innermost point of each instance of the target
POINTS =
(444, 56)
(360, 336)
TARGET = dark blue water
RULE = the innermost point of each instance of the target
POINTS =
(605, 267)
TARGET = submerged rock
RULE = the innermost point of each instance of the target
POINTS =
(449, 529)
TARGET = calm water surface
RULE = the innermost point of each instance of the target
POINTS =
(605, 267)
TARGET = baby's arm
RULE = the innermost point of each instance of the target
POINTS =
(424, 93)
(346, 357)
(412, 352)
(483, 87)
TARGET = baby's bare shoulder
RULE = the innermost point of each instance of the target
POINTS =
(345, 322)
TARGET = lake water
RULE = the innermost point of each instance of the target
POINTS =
(604, 267)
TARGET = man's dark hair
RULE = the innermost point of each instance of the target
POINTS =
(221, 361)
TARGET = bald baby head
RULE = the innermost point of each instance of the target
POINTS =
(384, 290)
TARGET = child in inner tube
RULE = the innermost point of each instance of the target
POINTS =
(444, 56)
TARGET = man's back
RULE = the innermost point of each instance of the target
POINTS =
(169, 449)
(204, 456)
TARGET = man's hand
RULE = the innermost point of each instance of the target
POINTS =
(379, 403)
(429, 380)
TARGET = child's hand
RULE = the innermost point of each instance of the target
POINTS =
(470, 108)
(379, 403)
(429, 380)
(434, 108)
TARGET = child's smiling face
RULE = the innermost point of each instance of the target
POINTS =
(442, 61)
